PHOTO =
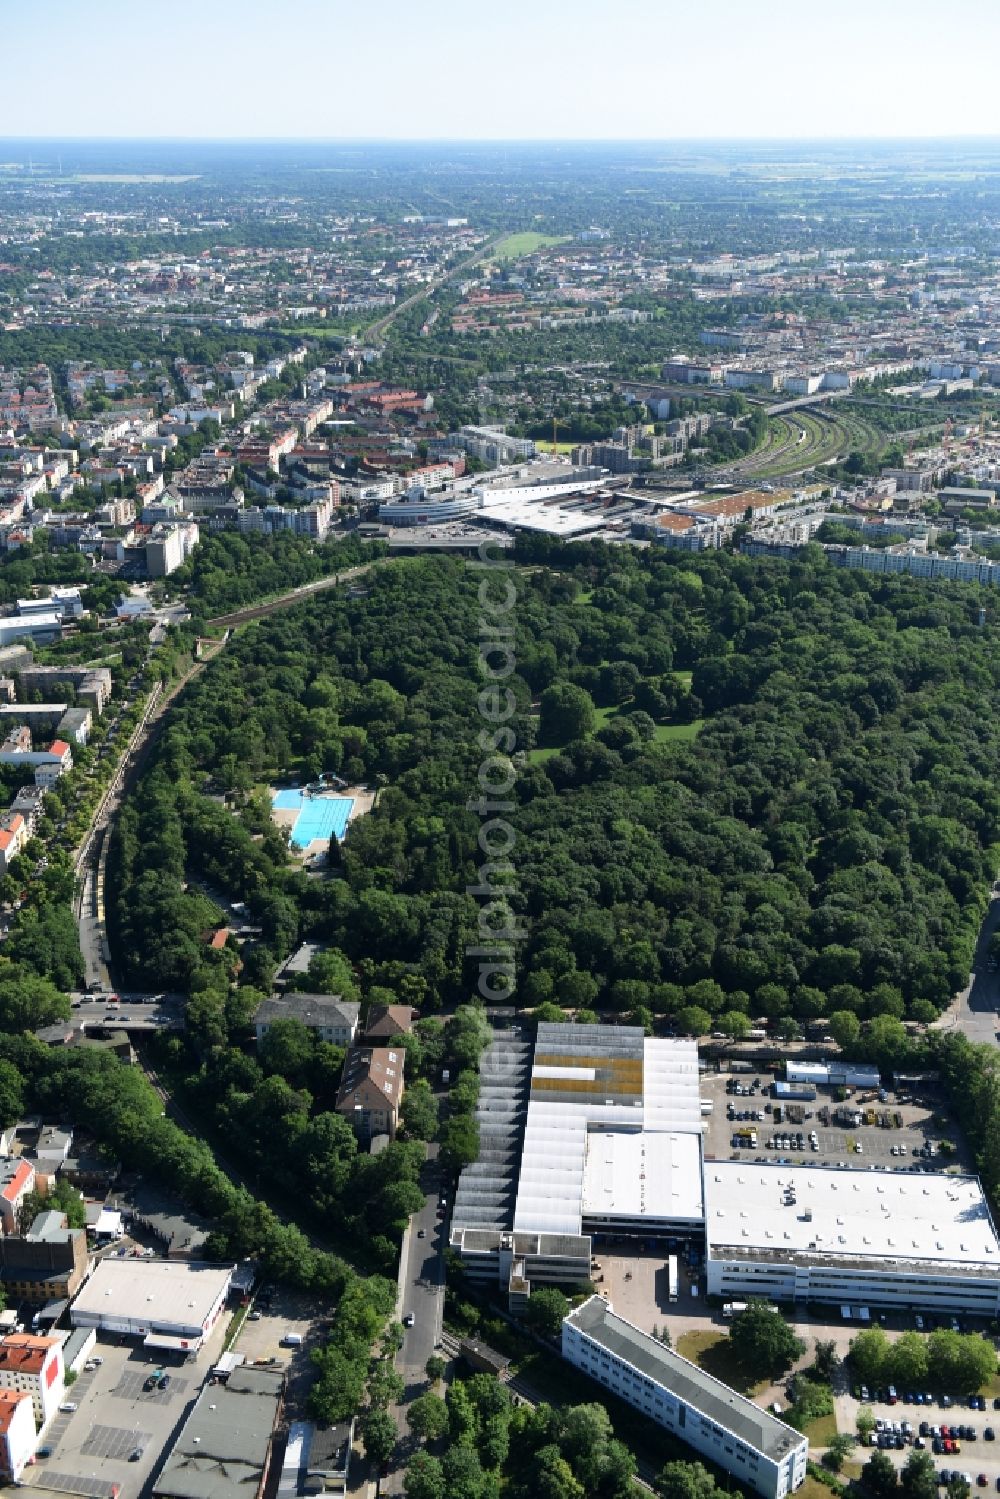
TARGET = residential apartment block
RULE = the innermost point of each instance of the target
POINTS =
(17, 1433)
(34, 1366)
(371, 1090)
(17, 1179)
(327, 1015)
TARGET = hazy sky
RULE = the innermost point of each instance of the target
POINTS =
(575, 69)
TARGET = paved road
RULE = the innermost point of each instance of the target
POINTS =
(421, 1293)
(134, 1012)
(975, 1010)
(422, 1281)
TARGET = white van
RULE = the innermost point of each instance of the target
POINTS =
(292, 1340)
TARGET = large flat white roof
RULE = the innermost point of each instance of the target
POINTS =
(535, 515)
(884, 1216)
(161, 1291)
(588, 1078)
(648, 1175)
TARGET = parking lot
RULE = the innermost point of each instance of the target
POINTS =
(915, 1125)
(117, 1416)
(282, 1314)
(975, 1456)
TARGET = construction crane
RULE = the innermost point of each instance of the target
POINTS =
(556, 424)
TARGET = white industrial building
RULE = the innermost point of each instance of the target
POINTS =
(833, 1074)
(760, 1451)
(171, 1304)
(595, 1132)
(842, 1236)
(599, 1130)
(597, 1092)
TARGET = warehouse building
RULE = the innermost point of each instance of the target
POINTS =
(597, 1131)
(833, 1074)
(760, 1451)
(223, 1450)
(170, 1304)
(881, 1238)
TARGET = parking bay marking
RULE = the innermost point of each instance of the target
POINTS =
(91, 1488)
(113, 1441)
(131, 1386)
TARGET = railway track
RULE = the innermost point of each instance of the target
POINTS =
(286, 600)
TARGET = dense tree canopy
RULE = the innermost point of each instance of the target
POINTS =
(823, 849)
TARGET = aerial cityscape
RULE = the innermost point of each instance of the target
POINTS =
(499, 775)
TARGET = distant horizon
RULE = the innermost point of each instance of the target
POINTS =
(500, 140)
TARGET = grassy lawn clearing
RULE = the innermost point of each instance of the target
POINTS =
(713, 1352)
(516, 245)
(822, 1431)
(677, 731)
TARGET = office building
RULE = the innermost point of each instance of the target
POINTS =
(891, 1239)
(169, 546)
(760, 1451)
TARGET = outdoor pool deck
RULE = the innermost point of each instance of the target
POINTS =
(313, 819)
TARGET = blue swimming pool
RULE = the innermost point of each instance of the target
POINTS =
(319, 816)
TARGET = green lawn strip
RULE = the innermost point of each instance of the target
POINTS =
(813, 1489)
(235, 1327)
